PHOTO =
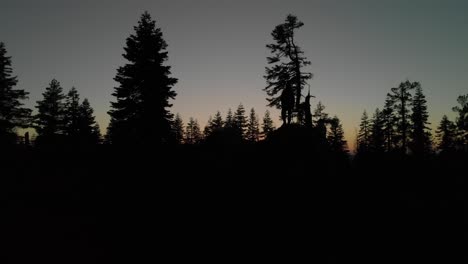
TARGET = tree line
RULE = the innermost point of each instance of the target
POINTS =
(402, 125)
(140, 113)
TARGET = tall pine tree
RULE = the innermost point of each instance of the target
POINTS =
(89, 131)
(287, 63)
(336, 138)
(217, 122)
(12, 114)
(253, 130)
(267, 124)
(207, 131)
(140, 115)
(420, 131)
(49, 121)
(388, 123)
(377, 139)
(240, 121)
(446, 135)
(401, 100)
(229, 123)
(72, 115)
(364, 135)
(462, 121)
(192, 133)
(178, 129)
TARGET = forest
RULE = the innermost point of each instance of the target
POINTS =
(236, 187)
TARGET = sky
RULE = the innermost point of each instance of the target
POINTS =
(359, 50)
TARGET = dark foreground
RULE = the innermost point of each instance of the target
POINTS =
(247, 204)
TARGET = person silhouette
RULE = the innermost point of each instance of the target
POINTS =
(287, 103)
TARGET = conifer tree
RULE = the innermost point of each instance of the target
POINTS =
(462, 121)
(420, 131)
(253, 130)
(217, 122)
(207, 131)
(388, 123)
(49, 121)
(287, 63)
(72, 115)
(364, 134)
(12, 113)
(140, 115)
(267, 125)
(240, 121)
(229, 123)
(89, 131)
(178, 129)
(192, 132)
(336, 138)
(446, 135)
(401, 99)
(377, 138)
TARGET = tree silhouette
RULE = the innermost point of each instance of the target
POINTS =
(401, 99)
(207, 131)
(335, 136)
(420, 134)
(80, 126)
(287, 63)
(377, 138)
(192, 132)
(462, 120)
(140, 114)
(364, 135)
(267, 125)
(89, 131)
(240, 121)
(49, 122)
(253, 130)
(229, 123)
(217, 122)
(12, 114)
(178, 129)
(388, 123)
(320, 118)
(72, 116)
(319, 113)
(446, 135)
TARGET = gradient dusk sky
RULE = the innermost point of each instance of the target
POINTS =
(359, 50)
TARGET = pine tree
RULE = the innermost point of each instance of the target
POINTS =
(287, 63)
(89, 131)
(401, 99)
(319, 113)
(178, 129)
(217, 122)
(207, 131)
(388, 123)
(192, 133)
(364, 134)
(267, 126)
(462, 121)
(240, 121)
(320, 118)
(12, 114)
(446, 135)
(377, 138)
(420, 132)
(253, 130)
(140, 114)
(336, 138)
(49, 122)
(72, 115)
(229, 123)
